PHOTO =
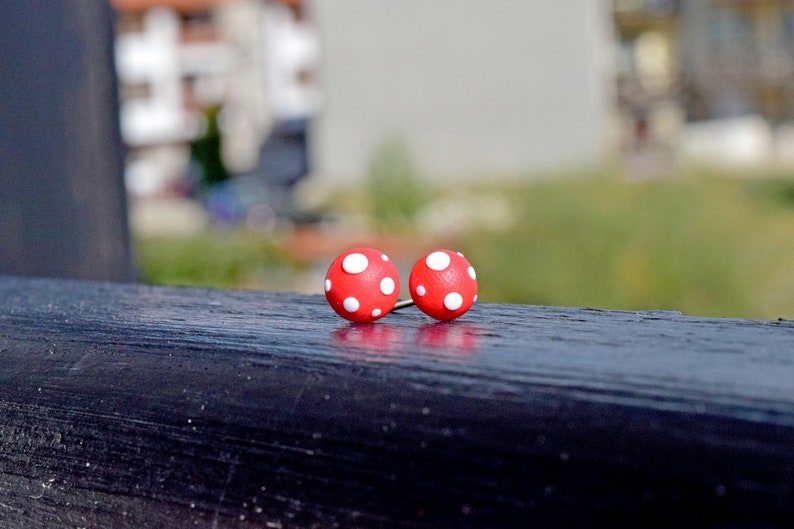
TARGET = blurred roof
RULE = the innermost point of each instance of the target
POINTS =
(183, 6)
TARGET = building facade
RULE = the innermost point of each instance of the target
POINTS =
(467, 88)
(709, 79)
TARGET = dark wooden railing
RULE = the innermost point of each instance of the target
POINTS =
(136, 406)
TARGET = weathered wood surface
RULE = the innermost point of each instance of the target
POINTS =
(134, 406)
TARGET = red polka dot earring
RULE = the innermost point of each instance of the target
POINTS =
(443, 285)
(362, 285)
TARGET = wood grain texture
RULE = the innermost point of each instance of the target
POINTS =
(136, 406)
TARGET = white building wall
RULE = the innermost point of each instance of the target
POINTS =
(151, 58)
(469, 87)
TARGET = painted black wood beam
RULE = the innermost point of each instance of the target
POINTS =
(136, 406)
(62, 202)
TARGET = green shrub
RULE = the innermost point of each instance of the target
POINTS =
(394, 194)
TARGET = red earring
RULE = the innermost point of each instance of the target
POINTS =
(443, 285)
(362, 285)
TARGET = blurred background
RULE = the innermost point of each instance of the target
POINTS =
(624, 154)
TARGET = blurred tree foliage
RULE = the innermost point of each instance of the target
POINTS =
(207, 150)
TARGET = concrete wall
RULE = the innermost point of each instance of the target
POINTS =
(470, 87)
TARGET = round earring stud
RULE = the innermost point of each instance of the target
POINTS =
(443, 285)
(362, 285)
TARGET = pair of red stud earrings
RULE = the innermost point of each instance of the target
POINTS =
(362, 285)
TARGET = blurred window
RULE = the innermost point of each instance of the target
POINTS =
(625, 59)
(730, 30)
(656, 7)
(129, 23)
(732, 40)
(788, 28)
(136, 91)
(198, 26)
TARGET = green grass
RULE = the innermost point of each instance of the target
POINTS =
(704, 245)
(216, 258)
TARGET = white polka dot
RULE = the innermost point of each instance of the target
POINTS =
(437, 261)
(355, 263)
(384, 257)
(387, 286)
(421, 291)
(475, 298)
(327, 285)
(472, 273)
(460, 254)
(453, 301)
(351, 304)
(376, 313)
